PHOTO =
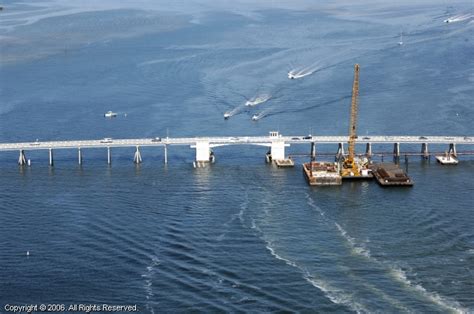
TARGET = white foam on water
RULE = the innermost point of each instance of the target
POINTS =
(399, 275)
(355, 248)
(336, 296)
(450, 305)
(274, 254)
(459, 18)
(311, 203)
(148, 286)
(257, 100)
(260, 115)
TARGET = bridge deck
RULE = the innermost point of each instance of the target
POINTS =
(240, 140)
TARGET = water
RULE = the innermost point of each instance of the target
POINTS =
(240, 235)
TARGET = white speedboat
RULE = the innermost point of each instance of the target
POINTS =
(110, 114)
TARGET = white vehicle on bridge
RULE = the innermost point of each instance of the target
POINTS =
(106, 140)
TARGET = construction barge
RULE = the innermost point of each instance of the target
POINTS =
(322, 173)
(388, 174)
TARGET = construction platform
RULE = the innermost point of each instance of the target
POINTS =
(389, 174)
(322, 173)
(447, 160)
(284, 163)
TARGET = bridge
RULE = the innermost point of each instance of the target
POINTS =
(203, 145)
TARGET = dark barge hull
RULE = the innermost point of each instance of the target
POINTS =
(391, 175)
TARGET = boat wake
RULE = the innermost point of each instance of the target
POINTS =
(459, 18)
(355, 248)
(257, 100)
(400, 275)
(336, 296)
(261, 115)
(149, 283)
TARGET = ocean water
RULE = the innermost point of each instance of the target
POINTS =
(240, 235)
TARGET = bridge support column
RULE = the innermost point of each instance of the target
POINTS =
(313, 151)
(137, 158)
(277, 150)
(79, 156)
(368, 150)
(22, 158)
(166, 154)
(109, 156)
(396, 150)
(396, 153)
(452, 150)
(340, 151)
(424, 150)
(51, 160)
(203, 151)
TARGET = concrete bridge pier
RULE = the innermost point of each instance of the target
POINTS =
(277, 150)
(340, 151)
(137, 158)
(203, 151)
(396, 152)
(368, 150)
(166, 154)
(313, 151)
(51, 160)
(22, 158)
(452, 150)
(424, 151)
(109, 156)
(79, 156)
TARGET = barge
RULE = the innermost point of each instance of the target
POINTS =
(388, 174)
(322, 173)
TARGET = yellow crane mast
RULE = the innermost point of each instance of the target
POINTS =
(350, 166)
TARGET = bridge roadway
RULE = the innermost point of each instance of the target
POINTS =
(204, 145)
(234, 140)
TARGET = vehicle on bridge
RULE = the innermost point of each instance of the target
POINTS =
(106, 140)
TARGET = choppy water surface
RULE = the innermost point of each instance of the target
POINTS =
(240, 235)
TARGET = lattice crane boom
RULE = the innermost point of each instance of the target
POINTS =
(353, 122)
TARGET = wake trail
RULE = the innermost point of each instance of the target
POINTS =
(400, 275)
(148, 286)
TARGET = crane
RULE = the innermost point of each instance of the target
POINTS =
(350, 167)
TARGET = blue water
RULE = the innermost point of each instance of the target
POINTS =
(239, 235)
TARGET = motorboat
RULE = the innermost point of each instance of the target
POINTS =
(110, 114)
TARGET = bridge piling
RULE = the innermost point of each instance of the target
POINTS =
(424, 150)
(368, 150)
(109, 156)
(340, 151)
(166, 154)
(452, 150)
(137, 158)
(22, 158)
(51, 160)
(79, 156)
(313, 151)
(396, 153)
